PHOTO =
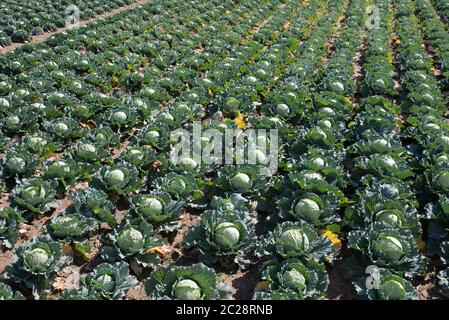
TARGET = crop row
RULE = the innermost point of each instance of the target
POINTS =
(20, 20)
(427, 131)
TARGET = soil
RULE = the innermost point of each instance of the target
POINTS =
(339, 288)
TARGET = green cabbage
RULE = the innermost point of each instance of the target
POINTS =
(308, 210)
(187, 289)
(227, 235)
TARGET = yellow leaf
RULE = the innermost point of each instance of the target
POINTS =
(390, 58)
(348, 101)
(87, 125)
(240, 121)
(262, 285)
(421, 244)
(85, 255)
(158, 250)
(147, 146)
(286, 25)
(332, 237)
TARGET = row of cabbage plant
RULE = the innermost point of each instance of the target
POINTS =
(302, 239)
(384, 219)
(437, 34)
(427, 130)
(20, 20)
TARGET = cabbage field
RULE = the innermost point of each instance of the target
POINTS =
(348, 193)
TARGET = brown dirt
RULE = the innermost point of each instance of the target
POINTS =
(242, 283)
(359, 72)
(175, 250)
(5, 260)
(67, 279)
(330, 42)
(263, 23)
(45, 36)
(339, 288)
(137, 293)
(4, 199)
(426, 289)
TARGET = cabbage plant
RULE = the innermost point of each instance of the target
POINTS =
(157, 207)
(18, 162)
(296, 240)
(384, 165)
(63, 129)
(38, 144)
(325, 162)
(155, 136)
(388, 247)
(391, 203)
(277, 294)
(238, 98)
(71, 227)
(133, 240)
(9, 220)
(189, 165)
(438, 179)
(225, 234)
(140, 157)
(245, 180)
(7, 293)
(195, 282)
(179, 186)
(104, 136)
(36, 264)
(121, 117)
(317, 136)
(77, 294)
(89, 152)
(306, 278)
(36, 195)
(313, 181)
(23, 120)
(374, 143)
(82, 112)
(109, 281)
(121, 178)
(4, 141)
(390, 287)
(94, 203)
(317, 209)
(65, 171)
